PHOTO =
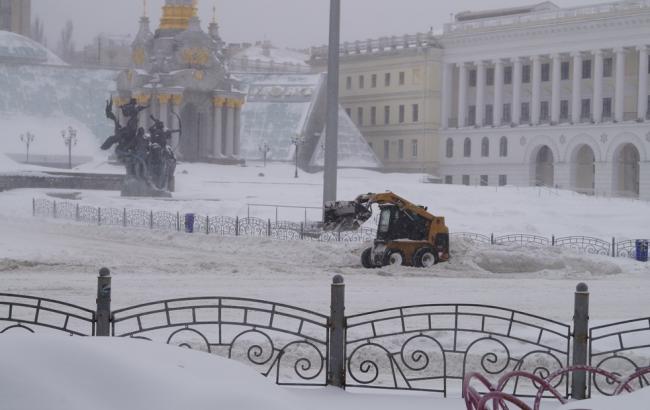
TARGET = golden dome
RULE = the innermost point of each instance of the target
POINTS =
(177, 14)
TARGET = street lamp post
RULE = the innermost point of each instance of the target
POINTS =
(27, 138)
(297, 141)
(264, 149)
(70, 140)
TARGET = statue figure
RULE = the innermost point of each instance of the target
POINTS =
(149, 159)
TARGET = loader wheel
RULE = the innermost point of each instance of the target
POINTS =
(393, 257)
(366, 259)
(425, 258)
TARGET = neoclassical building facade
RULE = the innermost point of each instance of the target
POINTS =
(548, 96)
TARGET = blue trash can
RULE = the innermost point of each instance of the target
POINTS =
(189, 223)
(642, 250)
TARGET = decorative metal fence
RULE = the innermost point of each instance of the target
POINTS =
(429, 348)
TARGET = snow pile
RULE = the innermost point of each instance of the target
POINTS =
(70, 373)
(637, 400)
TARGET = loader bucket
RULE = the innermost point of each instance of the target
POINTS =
(344, 216)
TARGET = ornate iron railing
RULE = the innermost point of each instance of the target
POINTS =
(285, 342)
(587, 244)
(425, 347)
(28, 313)
(522, 239)
(477, 237)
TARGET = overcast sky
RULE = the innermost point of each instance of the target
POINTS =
(291, 23)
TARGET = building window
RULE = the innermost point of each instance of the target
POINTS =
(485, 147)
(471, 115)
(489, 76)
(348, 111)
(607, 107)
(449, 179)
(362, 82)
(543, 111)
(400, 149)
(586, 69)
(348, 83)
(373, 81)
(546, 72)
(416, 112)
(507, 75)
(507, 113)
(585, 109)
(472, 78)
(503, 180)
(386, 149)
(402, 78)
(489, 114)
(564, 110)
(608, 67)
(467, 148)
(401, 114)
(503, 147)
(373, 115)
(484, 180)
(465, 179)
(414, 148)
(387, 80)
(525, 74)
(360, 116)
(564, 70)
(525, 112)
(386, 114)
(450, 148)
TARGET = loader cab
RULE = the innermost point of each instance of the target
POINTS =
(397, 224)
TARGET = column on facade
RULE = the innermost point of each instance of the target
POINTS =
(537, 89)
(480, 93)
(217, 128)
(555, 88)
(237, 128)
(597, 101)
(163, 108)
(497, 110)
(642, 103)
(576, 93)
(446, 95)
(462, 95)
(176, 100)
(620, 84)
(516, 90)
(230, 127)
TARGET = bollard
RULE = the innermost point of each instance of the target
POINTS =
(103, 313)
(580, 340)
(336, 371)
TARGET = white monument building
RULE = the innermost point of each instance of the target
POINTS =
(548, 96)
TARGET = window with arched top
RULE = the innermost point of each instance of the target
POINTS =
(467, 148)
(485, 147)
(503, 147)
(450, 148)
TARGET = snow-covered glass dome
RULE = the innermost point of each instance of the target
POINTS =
(20, 49)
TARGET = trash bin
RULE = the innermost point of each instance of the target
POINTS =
(642, 250)
(189, 223)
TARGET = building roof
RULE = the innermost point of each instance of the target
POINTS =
(510, 11)
(15, 48)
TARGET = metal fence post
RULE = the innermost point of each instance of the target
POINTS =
(552, 240)
(33, 206)
(336, 371)
(150, 219)
(268, 228)
(76, 213)
(99, 215)
(54, 209)
(302, 231)
(613, 247)
(236, 226)
(103, 313)
(491, 239)
(580, 340)
(207, 224)
(178, 221)
(124, 218)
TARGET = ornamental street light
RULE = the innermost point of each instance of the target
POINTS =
(264, 149)
(297, 141)
(27, 138)
(70, 140)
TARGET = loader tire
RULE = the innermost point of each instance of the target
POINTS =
(425, 257)
(366, 259)
(393, 257)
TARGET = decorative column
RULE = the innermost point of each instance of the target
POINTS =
(177, 99)
(537, 87)
(217, 129)
(597, 101)
(576, 93)
(620, 84)
(555, 89)
(143, 119)
(642, 104)
(163, 108)
(516, 90)
(462, 95)
(230, 127)
(497, 109)
(446, 95)
(480, 93)
(237, 127)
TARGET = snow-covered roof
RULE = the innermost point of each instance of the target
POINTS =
(17, 48)
(275, 55)
(510, 11)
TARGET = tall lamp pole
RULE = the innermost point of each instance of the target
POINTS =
(70, 140)
(27, 138)
(331, 137)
